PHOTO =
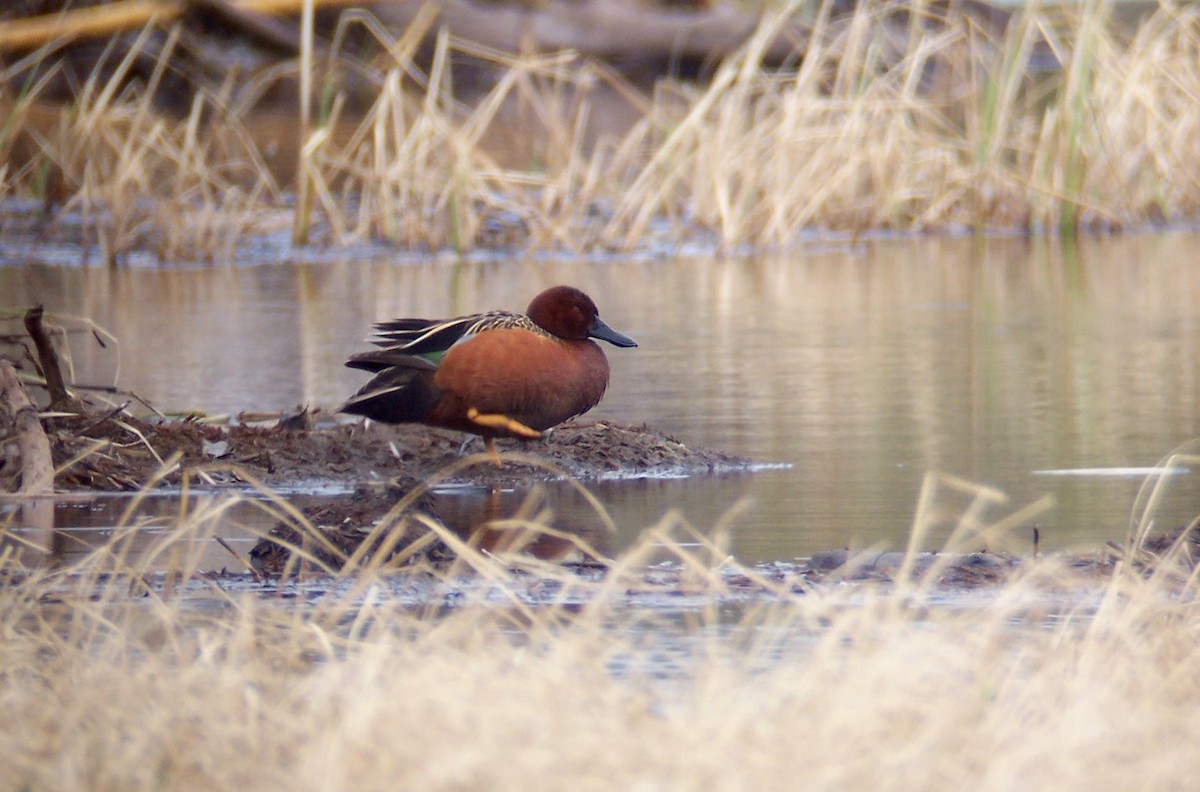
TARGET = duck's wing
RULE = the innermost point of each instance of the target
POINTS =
(380, 359)
(431, 337)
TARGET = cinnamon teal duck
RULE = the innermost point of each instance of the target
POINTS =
(495, 374)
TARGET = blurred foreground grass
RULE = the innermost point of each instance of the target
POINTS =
(119, 673)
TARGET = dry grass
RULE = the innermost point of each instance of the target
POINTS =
(139, 180)
(534, 677)
(1065, 121)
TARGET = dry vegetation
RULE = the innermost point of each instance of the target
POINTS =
(1063, 120)
(130, 669)
(504, 672)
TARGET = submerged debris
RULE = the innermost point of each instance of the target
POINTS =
(1174, 552)
(337, 532)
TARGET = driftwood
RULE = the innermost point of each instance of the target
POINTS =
(605, 29)
(618, 30)
(115, 17)
(21, 430)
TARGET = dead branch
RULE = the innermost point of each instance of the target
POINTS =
(605, 29)
(60, 399)
(104, 20)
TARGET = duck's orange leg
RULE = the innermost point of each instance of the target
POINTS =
(499, 421)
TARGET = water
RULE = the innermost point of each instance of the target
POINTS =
(862, 366)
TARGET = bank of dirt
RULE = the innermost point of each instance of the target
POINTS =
(389, 470)
(126, 454)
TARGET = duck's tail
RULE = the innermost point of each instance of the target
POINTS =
(402, 390)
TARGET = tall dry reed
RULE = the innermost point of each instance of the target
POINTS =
(890, 118)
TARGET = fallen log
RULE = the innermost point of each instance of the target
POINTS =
(19, 426)
(104, 20)
(604, 29)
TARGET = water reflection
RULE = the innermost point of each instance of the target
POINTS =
(862, 366)
(80, 523)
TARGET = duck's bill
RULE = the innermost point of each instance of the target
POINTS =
(606, 333)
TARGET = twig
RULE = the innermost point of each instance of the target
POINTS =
(147, 405)
(241, 560)
(133, 430)
(113, 413)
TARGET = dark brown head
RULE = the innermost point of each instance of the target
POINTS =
(570, 314)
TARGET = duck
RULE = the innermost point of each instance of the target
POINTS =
(494, 374)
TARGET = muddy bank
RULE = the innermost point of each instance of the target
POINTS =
(364, 488)
(390, 523)
(126, 454)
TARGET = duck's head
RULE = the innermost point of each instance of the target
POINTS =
(570, 314)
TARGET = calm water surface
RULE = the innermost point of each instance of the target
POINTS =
(862, 367)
